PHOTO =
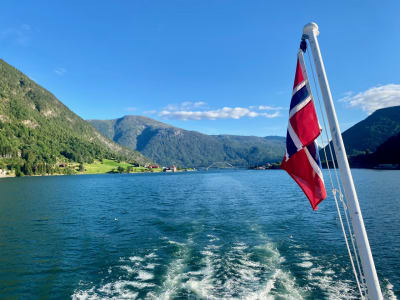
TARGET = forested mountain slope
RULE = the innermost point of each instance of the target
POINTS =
(37, 131)
(168, 145)
(372, 131)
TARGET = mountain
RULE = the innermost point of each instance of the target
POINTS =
(365, 136)
(37, 131)
(169, 145)
(386, 154)
(368, 134)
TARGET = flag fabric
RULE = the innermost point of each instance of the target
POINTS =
(301, 159)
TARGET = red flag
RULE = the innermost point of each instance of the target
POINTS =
(301, 159)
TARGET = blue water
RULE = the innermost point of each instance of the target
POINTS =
(201, 235)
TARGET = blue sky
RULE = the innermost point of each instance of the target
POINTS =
(212, 66)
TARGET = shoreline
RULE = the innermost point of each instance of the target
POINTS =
(2, 176)
(79, 174)
(104, 166)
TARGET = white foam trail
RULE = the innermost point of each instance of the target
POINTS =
(151, 255)
(143, 275)
(141, 285)
(136, 258)
(83, 295)
(125, 287)
(271, 254)
(389, 293)
(207, 253)
(239, 272)
(235, 275)
(118, 288)
(329, 272)
(150, 266)
(114, 290)
(172, 281)
(204, 286)
(324, 278)
(290, 292)
(176, 243)
(212, 238)
(240, 246)
(264, 293)
(306, 264)
(128, 269)
(305, 255)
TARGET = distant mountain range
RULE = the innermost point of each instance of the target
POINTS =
(375, 139)
(169, 145)
(37, 131)
(386, 154)
(371, 132)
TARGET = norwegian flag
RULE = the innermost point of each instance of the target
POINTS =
(301, 159)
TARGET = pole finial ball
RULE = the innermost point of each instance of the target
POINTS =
(309, 28)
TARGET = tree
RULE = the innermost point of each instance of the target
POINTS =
(27, 168)
(18, 172)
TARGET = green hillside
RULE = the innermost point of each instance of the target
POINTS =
(368, 134)
(38, 132)
(373, 131)
(387, 153)
(169, 145)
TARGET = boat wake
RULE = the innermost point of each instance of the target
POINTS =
(183, 270)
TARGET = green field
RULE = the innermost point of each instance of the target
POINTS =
(107, 166)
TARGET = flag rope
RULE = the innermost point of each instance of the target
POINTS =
(345, 210)
(344, 205)
(334, 191)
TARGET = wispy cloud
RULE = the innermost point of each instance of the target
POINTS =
(60, 71)
(186, 105)
(20, 35)
(267, 107)
(374, 98)
(150, 112)
(200, 111)
(131, 108)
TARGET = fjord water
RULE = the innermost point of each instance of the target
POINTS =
(235, 234)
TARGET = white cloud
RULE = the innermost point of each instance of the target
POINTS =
(60, 71)
(172, 107)
(200, 110)
(270, 116)
(20, 35)
(130, 108)
(187, 105)
(222, 113)
(374, 98)
(267, 107)
(199, 104)
(150, 112)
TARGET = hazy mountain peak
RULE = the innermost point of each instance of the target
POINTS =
(169, 145)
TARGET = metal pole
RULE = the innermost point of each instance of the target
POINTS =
(311, 32)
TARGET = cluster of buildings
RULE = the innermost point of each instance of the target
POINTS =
(267, 166)
(170, 169)
(164, 169)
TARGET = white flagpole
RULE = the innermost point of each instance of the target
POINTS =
(311, 32)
